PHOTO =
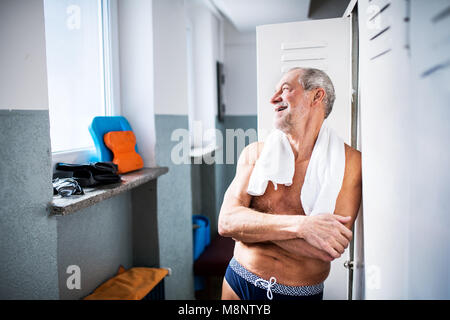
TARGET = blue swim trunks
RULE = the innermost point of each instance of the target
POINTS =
(248, 286)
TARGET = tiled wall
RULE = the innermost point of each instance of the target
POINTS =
(35, 248)
(98, 239)
(174, 211)
(28, 235)
(186, 190)
(226, 172)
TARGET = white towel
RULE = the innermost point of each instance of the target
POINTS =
(276, 163)
(324, 175)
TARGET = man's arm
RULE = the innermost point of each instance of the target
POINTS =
(347, 204)
(238, 221)
(302, 249)
(349, 198)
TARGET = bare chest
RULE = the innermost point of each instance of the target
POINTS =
(284, 200)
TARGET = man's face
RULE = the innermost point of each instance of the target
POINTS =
(288, 101)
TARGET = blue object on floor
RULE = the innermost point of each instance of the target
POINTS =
(199, 283)
(102, 125)
(202, 236)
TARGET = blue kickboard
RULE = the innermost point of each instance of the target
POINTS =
(102, 125)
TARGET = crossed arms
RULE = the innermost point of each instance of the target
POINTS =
(323, 237)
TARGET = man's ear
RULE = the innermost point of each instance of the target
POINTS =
(319, 95)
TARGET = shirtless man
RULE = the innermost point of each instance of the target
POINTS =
(280, 252)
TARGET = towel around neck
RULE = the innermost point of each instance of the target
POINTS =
(324, 175)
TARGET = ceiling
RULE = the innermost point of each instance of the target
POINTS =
(245, 15)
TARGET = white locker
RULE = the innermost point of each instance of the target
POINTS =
(384, 101)
(404, 72)
(429, 274)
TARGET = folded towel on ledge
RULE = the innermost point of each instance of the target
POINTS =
(132, 284)
(324, 175)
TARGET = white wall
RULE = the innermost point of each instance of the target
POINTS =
(240, 71)
(206, 51)
(170, 57)
(153, 66)
(23, 73)
(137, 73)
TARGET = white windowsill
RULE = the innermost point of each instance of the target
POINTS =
(201, 151)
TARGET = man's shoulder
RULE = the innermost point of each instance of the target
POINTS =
(251, 153)
(352, 162)
(352, 155)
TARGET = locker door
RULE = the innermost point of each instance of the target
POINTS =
(429, 274)
(323, 44)
(405, 72)
(385, 104)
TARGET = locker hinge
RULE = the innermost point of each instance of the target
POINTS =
(349, 264)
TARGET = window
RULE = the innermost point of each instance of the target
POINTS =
(78, 70)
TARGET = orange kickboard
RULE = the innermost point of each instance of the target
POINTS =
(122, 144)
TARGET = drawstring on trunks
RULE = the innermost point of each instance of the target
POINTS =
(267, 284)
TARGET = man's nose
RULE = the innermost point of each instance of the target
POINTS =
(276, 98)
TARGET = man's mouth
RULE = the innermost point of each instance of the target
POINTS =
(281, 106)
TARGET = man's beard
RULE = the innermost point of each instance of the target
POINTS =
(285, 123)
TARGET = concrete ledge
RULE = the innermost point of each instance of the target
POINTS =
(61, 206)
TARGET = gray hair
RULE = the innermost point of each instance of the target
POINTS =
(311, 79)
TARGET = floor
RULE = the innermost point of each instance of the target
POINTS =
(212, 289)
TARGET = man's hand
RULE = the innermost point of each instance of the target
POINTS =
(326, 232)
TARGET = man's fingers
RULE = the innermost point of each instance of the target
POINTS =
(321, 254)
(339, 247)
(342, 240)
(346, 232)
(325, 257)
(342, 228)
(332, 252)
(342, 219)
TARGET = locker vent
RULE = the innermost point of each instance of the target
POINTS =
(379, 23)
(306, 54)
(438, 46)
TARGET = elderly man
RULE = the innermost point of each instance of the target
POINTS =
(280, 252)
